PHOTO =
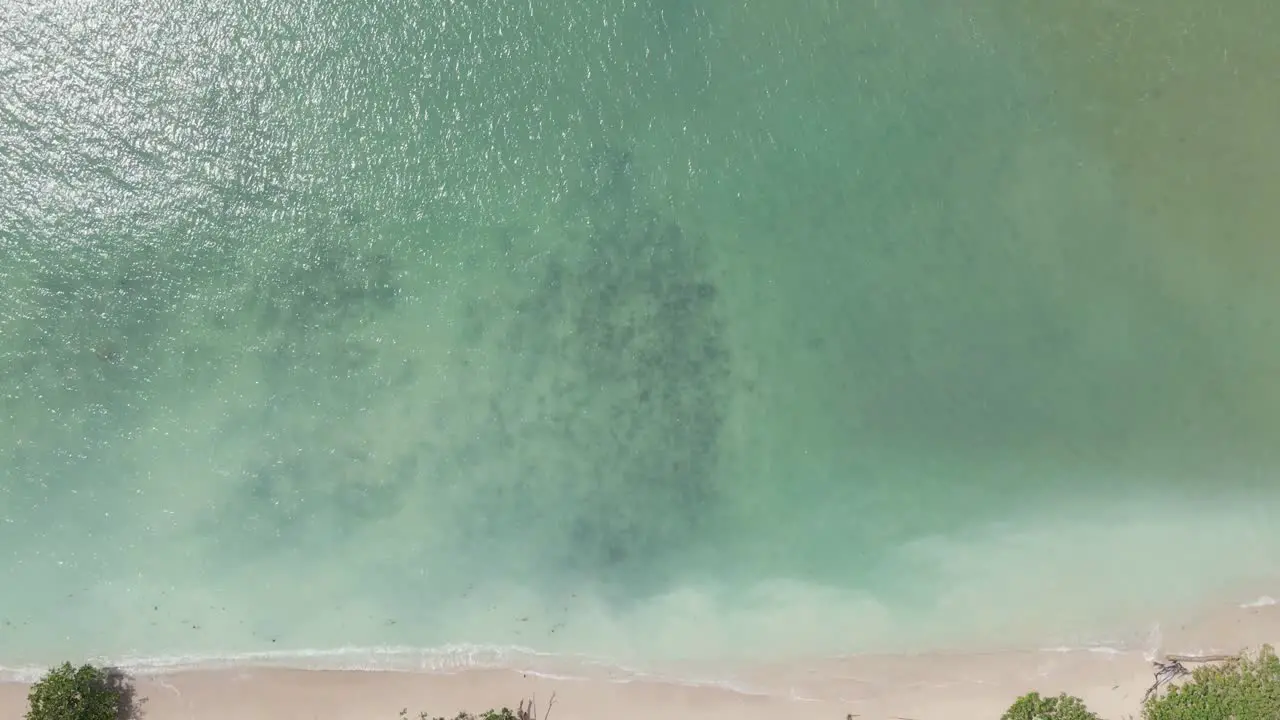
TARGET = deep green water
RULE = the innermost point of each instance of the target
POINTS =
(639, 328)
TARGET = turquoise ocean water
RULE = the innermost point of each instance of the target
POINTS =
(642, 329)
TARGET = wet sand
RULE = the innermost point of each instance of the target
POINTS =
(956, 686)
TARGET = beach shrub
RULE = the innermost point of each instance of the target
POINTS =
(1243, 688)
(71, 693)
(1034, 707)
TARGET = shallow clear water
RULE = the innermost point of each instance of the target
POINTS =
(642, 329)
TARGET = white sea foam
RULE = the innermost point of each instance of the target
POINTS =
(1096, 649)
(441, 660)
(445, 659)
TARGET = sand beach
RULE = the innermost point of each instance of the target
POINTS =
(928, 686)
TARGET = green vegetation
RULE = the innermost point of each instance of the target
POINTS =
(1033, 707)
(1246, 687)
(1243, 688)
(83, 693)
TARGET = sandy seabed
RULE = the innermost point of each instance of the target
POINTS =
(941, 686)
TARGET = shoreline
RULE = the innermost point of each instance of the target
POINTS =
(965, 685)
